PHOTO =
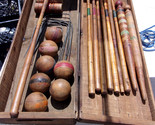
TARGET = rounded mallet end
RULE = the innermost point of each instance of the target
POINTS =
(98, 90)
(92, 95)
(13, 114)
(118, 3)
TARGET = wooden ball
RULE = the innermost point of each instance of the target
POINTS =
(45, 64)
(60, 90)
(54, 33)
(63, 69)
(48, 47)
(39, 82)
(36, 102)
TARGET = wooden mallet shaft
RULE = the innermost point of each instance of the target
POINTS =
(91, 80)
(96, 50)
(112, 51)
(126, 80)
(26, 67)
(101, 52)
(120, 76)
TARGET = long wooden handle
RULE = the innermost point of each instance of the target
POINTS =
(126, 80)
(120, 76)
(136, 51)
(101, 53)
(26, 67)
(126, 43)
(91, 84)
(96, 50)
(112, 51)
(106, 51)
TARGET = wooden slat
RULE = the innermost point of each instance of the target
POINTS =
(12, 58)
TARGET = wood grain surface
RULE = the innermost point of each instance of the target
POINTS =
(112, 109)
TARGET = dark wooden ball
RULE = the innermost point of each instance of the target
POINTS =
(45, 64)
(36, 102)
(54, 33)
(63, 69)
(60, 89)
(48, 47)
(39, 82)
(118, 3)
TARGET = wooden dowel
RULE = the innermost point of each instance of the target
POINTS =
(101, 53)
(26, 67)
(112, 51)
(91, 84)
(126, 43)
(96, 50)
(120, 76)
(106, 51)
(136, 51)
(126, 80)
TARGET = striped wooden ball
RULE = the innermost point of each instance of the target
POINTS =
(63, 69)
(48, 47)
(36, 102)
(54, 33)
(60, 90)
(39, 82)
(45, 64)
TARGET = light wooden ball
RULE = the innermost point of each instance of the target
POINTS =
(45, 64)
(63, 69)
(39, 82)
(54, 33)
(60, 90)
(48, 47)
(36, 102)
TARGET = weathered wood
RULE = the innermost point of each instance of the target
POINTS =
(91, 83)
(68, 109)
(126, 43)
(13, 55)
(25, 70)
(112, 51)
(136, 51)
(120, 75)
(126, 80)
(106, 51)
(148, 85)
(112, 109)
(101, 51)
(96, 49)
